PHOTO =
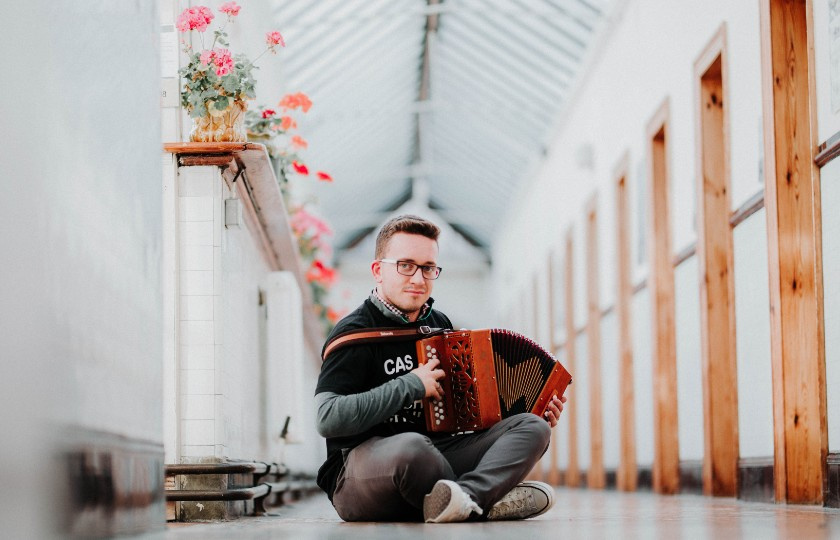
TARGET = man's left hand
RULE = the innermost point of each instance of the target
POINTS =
(555, 407)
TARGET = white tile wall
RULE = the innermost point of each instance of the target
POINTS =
(197, 407)
(196, 257)
(197, 432)
(198, 181)
(197, 333)
(193, 451)
(197, 357)
(197, 282)
(197, 308)
(196, 208)
(223, 335)
(197, 233)
(197, 381)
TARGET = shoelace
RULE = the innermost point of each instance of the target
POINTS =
(468, 506)
(517, 503)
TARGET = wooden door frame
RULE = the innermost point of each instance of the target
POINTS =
(716, 272)
(627, 474)
(573, 470)
(666, 463)
(794, 242)
(595, 476)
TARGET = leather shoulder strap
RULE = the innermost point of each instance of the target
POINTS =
(368, 335)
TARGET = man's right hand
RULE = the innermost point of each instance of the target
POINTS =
(430, 374)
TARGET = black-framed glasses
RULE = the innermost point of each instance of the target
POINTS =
(408, 268)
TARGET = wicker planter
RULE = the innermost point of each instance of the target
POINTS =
(221, 126)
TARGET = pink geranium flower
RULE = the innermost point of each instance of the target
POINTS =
(194, 18)
(230, 8)
(206, 56)
(224, 62)
(273, 39)
(324, 176)
(268, 113)
(299, 142)
(302, 221)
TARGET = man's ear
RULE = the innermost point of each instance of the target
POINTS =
(376, 270)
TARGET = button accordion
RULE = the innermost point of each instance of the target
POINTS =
(490, 375)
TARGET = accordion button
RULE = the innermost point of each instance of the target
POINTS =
(437, 422)
(434, 351)
(428, 347)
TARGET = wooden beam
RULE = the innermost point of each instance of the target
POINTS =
(553, 470)
(794, 246)
(717, 283)
(666, 463)
(595, 476)
(573, 469)
(537, 472)
(627, 476)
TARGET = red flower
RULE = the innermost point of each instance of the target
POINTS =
(268, 112)
(324, 176)
(321, 273)
(333, 315)
(300, 168)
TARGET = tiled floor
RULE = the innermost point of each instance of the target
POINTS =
(577, 514)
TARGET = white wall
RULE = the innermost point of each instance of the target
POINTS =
(580, 402)
(752, 338)
(649, 56)
(645, 58)
(830, 178)
(689, 368)
(81, 289)
(827, 60)
(611, 390)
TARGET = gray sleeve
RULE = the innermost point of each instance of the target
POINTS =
(340, 416)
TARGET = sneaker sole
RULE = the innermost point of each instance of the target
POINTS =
(436, 502)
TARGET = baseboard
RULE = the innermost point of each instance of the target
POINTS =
(832, 493)
(114, 484)
(610, 476)
(755, 479)
(691, 476)
(644, 479)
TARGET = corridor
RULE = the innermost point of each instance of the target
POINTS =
(579, 514)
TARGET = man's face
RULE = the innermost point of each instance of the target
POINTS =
(408, 293)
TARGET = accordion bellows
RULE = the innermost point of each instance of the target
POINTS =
(490, 375)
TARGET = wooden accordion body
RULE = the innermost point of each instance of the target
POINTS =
(490, 375)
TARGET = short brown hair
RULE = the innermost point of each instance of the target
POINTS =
(404, 224)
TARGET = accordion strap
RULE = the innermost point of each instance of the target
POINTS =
(368, 335)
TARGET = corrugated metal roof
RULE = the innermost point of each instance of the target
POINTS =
(459, 94)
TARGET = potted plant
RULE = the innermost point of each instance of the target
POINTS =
(217, 83)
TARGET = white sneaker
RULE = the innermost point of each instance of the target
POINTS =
(528, 499)
(447, 503)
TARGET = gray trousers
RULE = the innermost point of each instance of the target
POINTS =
(386, 478)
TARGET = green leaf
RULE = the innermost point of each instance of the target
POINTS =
(222, 103)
